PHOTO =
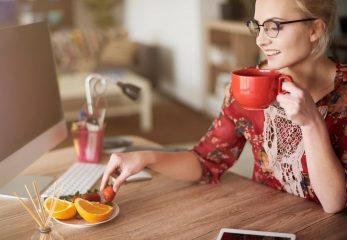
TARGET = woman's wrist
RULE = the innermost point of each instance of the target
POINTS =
(148, 157)
(316, 122)
(315, 130)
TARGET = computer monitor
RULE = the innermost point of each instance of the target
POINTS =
(31, 116)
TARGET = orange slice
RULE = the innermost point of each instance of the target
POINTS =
(62, 210)
(93, 211)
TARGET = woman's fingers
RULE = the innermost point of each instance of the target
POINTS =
(298, 104)
(293, 90)
(120, 167)
(120, 180)
(111, 168)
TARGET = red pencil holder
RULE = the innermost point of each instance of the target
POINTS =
(88, 144)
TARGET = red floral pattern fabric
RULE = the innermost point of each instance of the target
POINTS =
(223, 143)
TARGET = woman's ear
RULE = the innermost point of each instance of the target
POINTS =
(317, 29)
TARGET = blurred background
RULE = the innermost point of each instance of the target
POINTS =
(180, 51)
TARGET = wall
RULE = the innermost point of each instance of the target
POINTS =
(176, 27)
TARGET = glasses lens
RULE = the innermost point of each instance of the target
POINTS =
(271, 29)
(253, 27)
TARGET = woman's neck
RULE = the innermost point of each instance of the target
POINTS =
(314, 75)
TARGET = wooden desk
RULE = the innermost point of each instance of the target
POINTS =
(163, 208)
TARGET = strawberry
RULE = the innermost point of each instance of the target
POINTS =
(92, 197)
(109, 194)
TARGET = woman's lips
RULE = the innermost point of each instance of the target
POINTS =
(271, 53)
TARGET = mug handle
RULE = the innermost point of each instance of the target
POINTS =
(282, 78)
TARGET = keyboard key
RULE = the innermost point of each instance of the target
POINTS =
(79, 177)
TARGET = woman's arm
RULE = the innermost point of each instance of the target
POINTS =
(180, 165)
(209, 159)
(325, 169)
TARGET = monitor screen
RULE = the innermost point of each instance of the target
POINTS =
(32, 120)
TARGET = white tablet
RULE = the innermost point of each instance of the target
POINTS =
(239, 234)
(140, 176)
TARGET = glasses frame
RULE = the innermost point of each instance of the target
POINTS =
(278, 25)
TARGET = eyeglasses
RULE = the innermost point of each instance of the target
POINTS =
(271, 27)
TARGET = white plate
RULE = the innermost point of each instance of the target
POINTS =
(80, 223)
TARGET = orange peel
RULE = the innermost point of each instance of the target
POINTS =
(63, 209)
(93, 211)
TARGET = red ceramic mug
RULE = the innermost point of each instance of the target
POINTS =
(255, 88)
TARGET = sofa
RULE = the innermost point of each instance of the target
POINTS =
(96, 51)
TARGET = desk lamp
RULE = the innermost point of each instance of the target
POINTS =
(100, 84)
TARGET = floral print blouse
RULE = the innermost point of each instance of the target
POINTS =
(279, 156)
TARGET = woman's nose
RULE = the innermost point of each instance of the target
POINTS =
(262, 38)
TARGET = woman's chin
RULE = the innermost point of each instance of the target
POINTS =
(274, 65)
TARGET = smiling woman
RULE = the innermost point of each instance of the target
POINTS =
(299, 141)
(307, 24)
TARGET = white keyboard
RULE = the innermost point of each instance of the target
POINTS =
(79, 177)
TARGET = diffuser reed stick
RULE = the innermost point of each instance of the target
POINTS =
(40, 216)
(32, 214)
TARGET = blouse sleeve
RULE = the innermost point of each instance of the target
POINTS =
(221, 146)
(337, 124)
(340, 144)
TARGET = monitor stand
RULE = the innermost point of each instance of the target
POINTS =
(17, 186)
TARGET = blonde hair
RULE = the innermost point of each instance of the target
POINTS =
(324, 10)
